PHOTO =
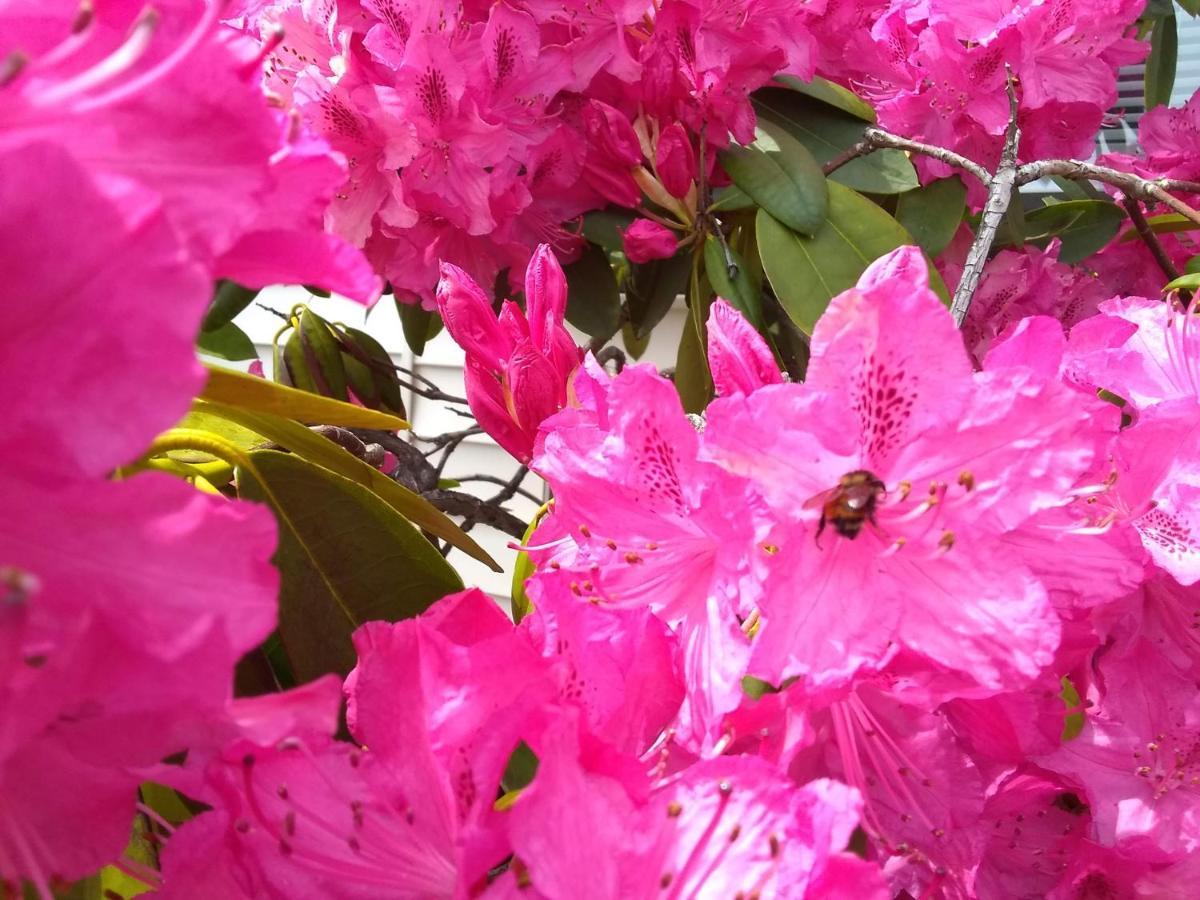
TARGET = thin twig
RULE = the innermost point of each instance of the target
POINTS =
(1142, 227)
(492, 479)
(1000, 192)
(877, 139)
(441, 440)
(510, 487)
(1132, 185)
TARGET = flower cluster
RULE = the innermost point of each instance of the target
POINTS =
(127, 185)
(946, 609)
(936, 71)
(473, 133)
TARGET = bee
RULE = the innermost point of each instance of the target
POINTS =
(850, 505)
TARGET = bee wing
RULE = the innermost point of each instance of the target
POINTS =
(820, 499)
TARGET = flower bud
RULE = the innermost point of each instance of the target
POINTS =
(469, 318)
(675, 160)
(646, 240)
(738, 357)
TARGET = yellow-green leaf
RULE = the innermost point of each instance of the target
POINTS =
(524, 569)
(242, 391)
(322, 451)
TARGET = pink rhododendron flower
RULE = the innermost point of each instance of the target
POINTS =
(738, 357)
(640, 521)
(225, 166)
(1037, 827)
(411, 813)
(126, 605)
(619, 665)
(1166, 138)
(895, 467)
(1019, 284)
(592, 826)
(518, 365)
(1136, 757)
(645, 240)
(1144, 351)
(936, 71)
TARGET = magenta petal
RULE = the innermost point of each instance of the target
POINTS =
(326, 261)
(738, 357)
(469, 318)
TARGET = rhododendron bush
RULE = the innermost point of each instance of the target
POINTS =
(888, 588)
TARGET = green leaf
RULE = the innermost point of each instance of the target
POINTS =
(420, 325)
(1191, 7)
(606, 227)
(253, 394)
(346, 558)
(325, 452)
(826, 132)
(730, 199)
(635, 346)
(1011, 232)
(227, 342)
(1073, 722)
(1164, 224)
(523, 569)
(229, 299)
(833, 94)
(1083, 226)
(1189, 282)
(692, 378)
(1192, 266)
(1160, 64)
(652, 289)
(593, 297)
(932, 214)
(735, 288)
(807, 272)
(781, 175)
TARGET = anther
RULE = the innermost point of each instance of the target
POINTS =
(725, 788)
(770, 549)
(665, 881)
(673, 810)
(610, 544)
(967, 480)
(585, 531)
(735, 833)
(632, 558)
(773, 842)
(947, 540)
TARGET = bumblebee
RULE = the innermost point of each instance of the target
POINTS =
(850, 505)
